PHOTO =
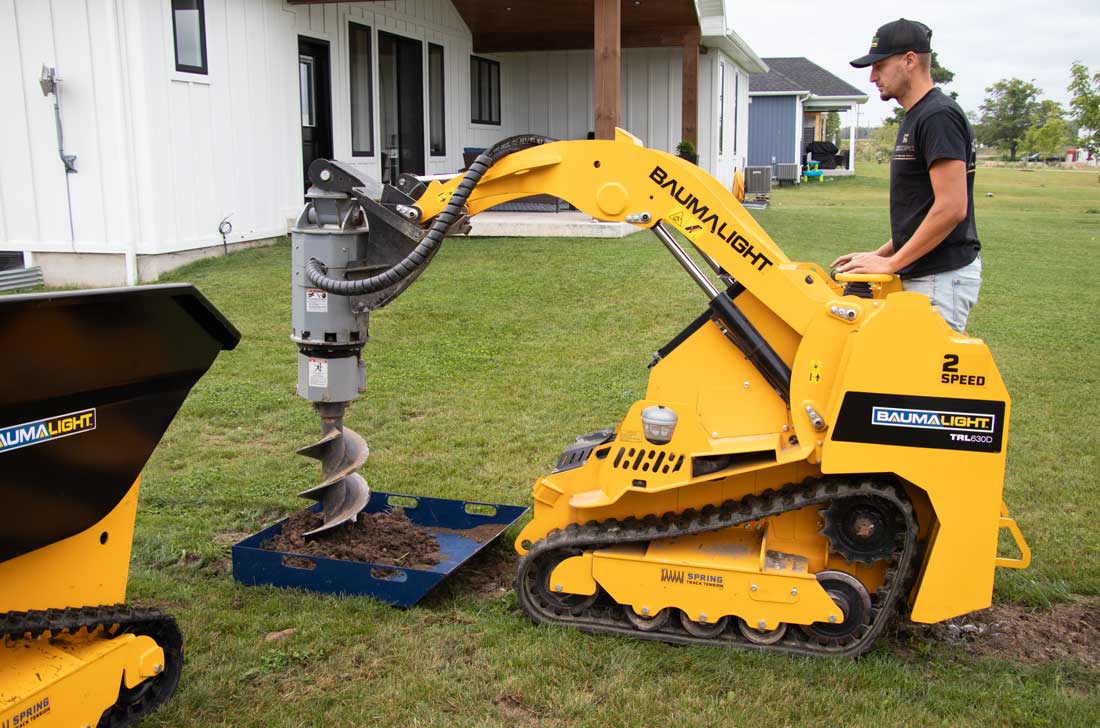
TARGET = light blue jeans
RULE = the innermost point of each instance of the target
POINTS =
(953, 292)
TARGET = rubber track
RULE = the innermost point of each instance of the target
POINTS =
(608, 619)
(133, 705)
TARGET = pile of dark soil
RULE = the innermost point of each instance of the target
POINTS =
(1067, 631)
(387, 537)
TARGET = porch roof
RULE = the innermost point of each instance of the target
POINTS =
(501, 26)
(534, 25)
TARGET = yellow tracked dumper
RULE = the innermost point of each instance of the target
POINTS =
(91, 380)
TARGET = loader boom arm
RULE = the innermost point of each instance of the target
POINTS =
(622, 181)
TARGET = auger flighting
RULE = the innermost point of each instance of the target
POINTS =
(343, 492)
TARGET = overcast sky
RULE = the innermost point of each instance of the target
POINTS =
(982, 41)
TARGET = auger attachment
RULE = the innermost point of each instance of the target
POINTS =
(350, 232)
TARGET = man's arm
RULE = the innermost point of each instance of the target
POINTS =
(885, 251)
(948, 210)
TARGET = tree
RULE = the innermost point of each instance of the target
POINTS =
(1010, 109)
(940, 76)
(1086, 105)
(1050, 139)
(880, 143)
(1048, 110)
(832, 127)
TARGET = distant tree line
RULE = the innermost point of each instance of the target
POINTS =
(1014, 118)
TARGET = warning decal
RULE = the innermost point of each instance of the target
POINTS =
(318, 372)
(316, 300)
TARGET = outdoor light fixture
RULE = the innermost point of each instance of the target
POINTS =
(658, 423)
(48, 80)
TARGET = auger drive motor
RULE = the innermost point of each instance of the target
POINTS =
(812, 457)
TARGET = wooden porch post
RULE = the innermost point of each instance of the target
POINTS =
(689, 98)
(607, 42)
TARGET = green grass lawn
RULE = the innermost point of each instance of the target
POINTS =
(482, 372)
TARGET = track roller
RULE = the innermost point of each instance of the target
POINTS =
(704, 630)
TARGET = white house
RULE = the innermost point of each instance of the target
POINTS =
(182, 113)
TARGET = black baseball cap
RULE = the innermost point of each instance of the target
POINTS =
(899, 36)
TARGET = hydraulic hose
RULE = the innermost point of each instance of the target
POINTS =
(317, 273)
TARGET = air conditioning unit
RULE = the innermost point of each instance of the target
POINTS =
(758, 180)
(788, 173)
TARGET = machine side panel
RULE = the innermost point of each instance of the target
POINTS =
(921, 401)
(87, 569)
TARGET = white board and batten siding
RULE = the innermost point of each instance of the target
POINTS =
(33, 199)
(552, 92)
(721, 160)
(163, 155)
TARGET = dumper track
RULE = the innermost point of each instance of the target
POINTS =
(606, 616)
(111, 621)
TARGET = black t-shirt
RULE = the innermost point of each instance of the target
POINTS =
(935, 128)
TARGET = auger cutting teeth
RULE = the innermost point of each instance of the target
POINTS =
(342, 491)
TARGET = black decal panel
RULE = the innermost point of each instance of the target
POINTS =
(933, 422)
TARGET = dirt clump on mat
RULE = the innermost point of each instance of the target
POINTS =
(1067, 631)
(387, 537)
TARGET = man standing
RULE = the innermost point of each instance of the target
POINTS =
(934, 245)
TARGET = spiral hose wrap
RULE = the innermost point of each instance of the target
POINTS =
(318, 274)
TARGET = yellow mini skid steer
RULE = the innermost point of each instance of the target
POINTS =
(91, 380)
(811, 455)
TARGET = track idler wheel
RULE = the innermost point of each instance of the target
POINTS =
(703, 630)
(761, 636)
(645, 623)
(133, 704)
(559, 601)
(853, 602)
(862, 528)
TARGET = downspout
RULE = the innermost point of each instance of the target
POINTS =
(118, 70)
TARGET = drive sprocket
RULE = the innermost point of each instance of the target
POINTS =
(863, 528)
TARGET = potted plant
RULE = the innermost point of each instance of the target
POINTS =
(686, 150)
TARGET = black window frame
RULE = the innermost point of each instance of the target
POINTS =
(370, 88)
(440, 103)
(182, 67)
(488, 70)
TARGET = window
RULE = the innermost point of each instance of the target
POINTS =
(362, 95)
(721, 107)
(736, 96)
(189, 29)
(484, 91)
(307, 90)
(437, 136)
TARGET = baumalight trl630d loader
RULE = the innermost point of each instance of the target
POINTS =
(91, 380)
(811, 456)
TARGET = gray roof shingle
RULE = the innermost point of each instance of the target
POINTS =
(800, 74)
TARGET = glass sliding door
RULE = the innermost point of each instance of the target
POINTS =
(400, 105)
